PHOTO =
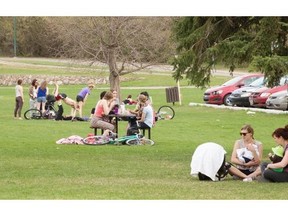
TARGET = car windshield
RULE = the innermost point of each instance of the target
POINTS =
(258, 82)
(232, 81)
(284, 80)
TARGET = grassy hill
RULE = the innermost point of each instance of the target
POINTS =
(34, 167)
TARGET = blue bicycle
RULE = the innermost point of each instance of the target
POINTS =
(135, 139)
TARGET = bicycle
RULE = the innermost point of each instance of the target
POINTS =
(130, 140)
(50, 113)
(165, 113)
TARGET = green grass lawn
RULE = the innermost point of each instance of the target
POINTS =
(33, 166)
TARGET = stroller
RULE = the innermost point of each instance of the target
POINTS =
(208, 162)
(50, 113)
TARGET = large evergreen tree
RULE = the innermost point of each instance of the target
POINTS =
(202, 42)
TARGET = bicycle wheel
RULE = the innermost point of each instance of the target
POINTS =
(96, 140)
(166, 112)
(50, 114)
(140, 141)
(33, 114)
(54, 112)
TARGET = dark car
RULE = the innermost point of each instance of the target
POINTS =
(240, 97)
(220, 94)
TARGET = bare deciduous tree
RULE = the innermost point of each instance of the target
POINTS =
(125, 44)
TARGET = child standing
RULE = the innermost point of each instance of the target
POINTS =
(19, 99)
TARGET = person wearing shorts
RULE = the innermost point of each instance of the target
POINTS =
(82, 97)
(41, 96)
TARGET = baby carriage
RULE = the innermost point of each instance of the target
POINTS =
(50, 110)
(208, 162)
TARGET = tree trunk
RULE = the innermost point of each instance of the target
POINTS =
(114, 77)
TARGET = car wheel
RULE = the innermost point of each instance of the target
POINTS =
(227, 101)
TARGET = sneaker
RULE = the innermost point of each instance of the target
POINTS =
(249, 179)
(112, 135)
(20, 118)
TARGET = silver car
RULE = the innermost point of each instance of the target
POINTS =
(278, 100)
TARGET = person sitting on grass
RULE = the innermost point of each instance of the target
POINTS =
(275, 157)
(129, 100)
(241, 169)
(269, 174)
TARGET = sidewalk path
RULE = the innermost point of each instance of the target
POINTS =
(250, 110)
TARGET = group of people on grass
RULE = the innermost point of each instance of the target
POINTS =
(109, 104)
(246, 160)
(39, 94)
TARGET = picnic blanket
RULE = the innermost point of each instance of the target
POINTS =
(74, 139)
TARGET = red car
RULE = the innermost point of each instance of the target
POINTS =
(259, 97)
(220, 94)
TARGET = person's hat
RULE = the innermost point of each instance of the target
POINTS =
(278, 150)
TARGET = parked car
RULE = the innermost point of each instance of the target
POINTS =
(258, 97)
(240, 97)
(278, 100)
(220, 94)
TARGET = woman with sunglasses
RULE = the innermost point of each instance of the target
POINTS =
(246, 155)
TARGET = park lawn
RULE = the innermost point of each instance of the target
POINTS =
(34, 167)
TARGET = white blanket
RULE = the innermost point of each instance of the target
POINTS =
(207, 159)
(244, 152)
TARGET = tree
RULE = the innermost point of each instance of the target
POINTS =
(125, 44)
(35, 37)
(6, 36)
(259, 42)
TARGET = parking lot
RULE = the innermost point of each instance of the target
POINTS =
(250, 110)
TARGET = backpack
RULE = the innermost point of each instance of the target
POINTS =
(132, 130)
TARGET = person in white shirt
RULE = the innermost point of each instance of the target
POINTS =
(146, 117)
(19, 99)
(243, 167)
(33, 94)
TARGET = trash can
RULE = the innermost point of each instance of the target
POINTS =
(172, 95)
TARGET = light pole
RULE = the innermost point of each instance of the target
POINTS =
(14, 37)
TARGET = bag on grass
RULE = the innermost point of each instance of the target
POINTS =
(132, 130)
